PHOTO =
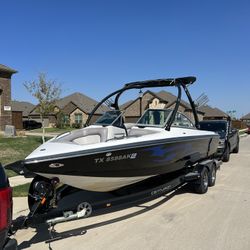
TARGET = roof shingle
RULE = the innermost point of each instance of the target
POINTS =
(212, 112)
(25, 107)
(7, 69)
(83, 102)
(246, 117)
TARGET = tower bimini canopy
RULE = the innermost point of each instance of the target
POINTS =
(161, 82)
(168, 82)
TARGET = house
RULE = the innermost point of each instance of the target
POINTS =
(24, 107)
(71, 110)
(20, 112)
(246, 119)
(5, 95)
(213, 113)
(163, 99)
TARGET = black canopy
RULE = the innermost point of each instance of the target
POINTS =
(161, 82)
(169, 82)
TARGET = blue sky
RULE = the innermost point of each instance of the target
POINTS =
(95, 47)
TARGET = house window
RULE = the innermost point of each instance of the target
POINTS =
(66, 119)
(78, 118)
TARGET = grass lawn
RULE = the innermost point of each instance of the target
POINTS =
(243, 131)
(21, 190)
(52, 130)
(17, 148)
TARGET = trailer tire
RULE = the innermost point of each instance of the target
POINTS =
(212, 176)
(201, 186)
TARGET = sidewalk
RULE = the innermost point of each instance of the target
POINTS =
(19, 180)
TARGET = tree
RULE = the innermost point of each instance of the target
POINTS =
(232, 114)
(47, 92)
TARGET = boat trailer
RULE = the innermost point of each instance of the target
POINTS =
(201, 176)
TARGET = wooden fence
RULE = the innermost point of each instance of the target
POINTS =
(239, 124)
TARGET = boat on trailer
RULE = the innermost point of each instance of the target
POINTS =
(108, 155)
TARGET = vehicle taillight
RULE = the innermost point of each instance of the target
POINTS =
(5, 207)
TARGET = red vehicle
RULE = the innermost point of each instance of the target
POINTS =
(248, 130)
(6, 243)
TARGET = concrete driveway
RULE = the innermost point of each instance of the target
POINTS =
(218, 220)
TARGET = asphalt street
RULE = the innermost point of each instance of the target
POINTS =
(218, 220)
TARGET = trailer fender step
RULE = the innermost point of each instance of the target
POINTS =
(191, 176)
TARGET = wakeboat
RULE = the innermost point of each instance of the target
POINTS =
(109, 154)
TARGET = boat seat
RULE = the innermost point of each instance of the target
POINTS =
(86, 136)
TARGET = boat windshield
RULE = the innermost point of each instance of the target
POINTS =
(113, 117)
(154, 117)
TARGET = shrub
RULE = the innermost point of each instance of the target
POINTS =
(76, 125)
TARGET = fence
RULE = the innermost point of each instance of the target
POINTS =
(239, 124)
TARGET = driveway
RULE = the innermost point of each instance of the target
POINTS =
(217, 220)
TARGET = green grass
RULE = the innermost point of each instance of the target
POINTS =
(10, 173)
(52, 130)
(243, 131)
(21, 190)
(17, 148)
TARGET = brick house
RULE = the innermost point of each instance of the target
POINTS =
(163, 99)
(246, 119)
(5, 96)
(74, 109)
(213, 113)
(20, 112)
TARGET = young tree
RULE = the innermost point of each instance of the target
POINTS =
(46, 92)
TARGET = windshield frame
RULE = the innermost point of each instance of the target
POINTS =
(113, 122)
(151, 125)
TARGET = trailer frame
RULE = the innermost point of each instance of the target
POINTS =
(193, 175)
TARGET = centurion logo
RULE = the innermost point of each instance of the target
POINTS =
(110, 158)
(56, 165)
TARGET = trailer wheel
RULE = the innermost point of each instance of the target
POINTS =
(87, 207)
(212, 176)
(201, 186)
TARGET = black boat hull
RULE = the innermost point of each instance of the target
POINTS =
(122, 167)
